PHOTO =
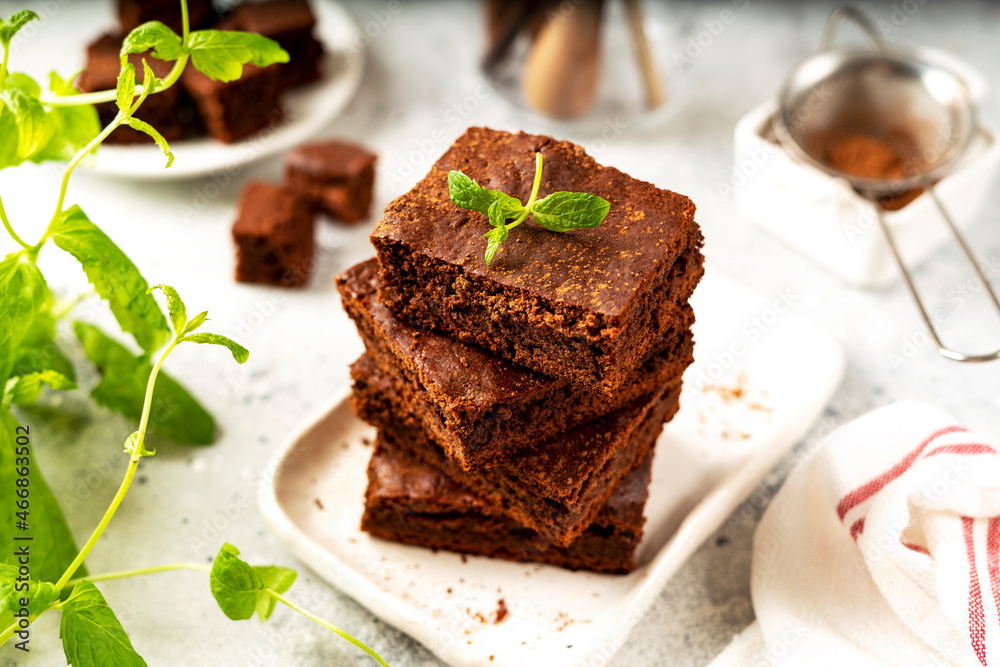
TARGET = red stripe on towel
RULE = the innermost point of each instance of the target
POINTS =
(977, 617)
(866, 491)
(993, 558)
(857, 529)
(916, 547)
(966, 449)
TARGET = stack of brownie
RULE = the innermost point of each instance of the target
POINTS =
(517, 405)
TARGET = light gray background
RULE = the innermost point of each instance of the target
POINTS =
(419, 66)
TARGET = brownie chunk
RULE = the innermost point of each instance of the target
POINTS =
(274, 236)
(169, 111)
(555, 487)
(412, 502)
(476, 405)
(336, 176)
(290, 23)
(588, 305)
(133, 13)
(235, 110)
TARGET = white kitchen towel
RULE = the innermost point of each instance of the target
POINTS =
(881, 550)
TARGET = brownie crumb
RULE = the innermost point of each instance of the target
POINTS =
(501, 612)
(319, 503)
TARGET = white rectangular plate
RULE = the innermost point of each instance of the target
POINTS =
(762, 377)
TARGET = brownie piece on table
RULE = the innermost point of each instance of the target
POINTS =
(476, 405)
(414, 503)
(555, 487)
(588, 305)
(235, 110)
(133, 13)
(337, 176)
(291, 24)
(274, 236)
(169, 111)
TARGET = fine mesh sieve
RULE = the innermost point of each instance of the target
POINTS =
(885, 121)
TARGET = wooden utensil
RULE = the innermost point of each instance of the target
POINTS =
(652, 83)
(563, 67)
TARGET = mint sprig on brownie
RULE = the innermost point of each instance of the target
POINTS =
(558, 212)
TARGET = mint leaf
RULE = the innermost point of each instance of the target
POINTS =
(236, 585)
(196, 322)
(114, 277)
(8, 149)
(24, 83)
(176, 308)
(145, 127)
(495, 214)
(39, 594)
(23, 292)
(26, 388)
(495, 237)
(52, 545)
(14, 23)
(175, 413)
(221, 54)
(165, 43)
(34, 127)
(91, 634)
(126, 88)
(466, 193)
(240, 353)
(563, 211)
(39, 351)
(73, 127)
(242, 589)
(279, 580)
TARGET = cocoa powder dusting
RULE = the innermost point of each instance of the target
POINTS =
(868, 156)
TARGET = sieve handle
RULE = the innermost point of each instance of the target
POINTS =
(945, 351)
(841, 14)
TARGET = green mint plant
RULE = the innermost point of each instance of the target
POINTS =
(63, 125)
(558, 212)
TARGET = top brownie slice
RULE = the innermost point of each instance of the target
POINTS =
(587, 305)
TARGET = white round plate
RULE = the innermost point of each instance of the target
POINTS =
(309, 110)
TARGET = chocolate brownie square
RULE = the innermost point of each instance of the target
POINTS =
(291, 24)
(169, 111)
(555, 487)
(476, 405)
(133, 13)
(274, 236)
(337, 177)
(235, 110)
(412, 502)
(588, 305)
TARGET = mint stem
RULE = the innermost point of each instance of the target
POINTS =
(328, 626)
(136, 456)
(534, 194)
(125, 574)
(10, 230)
(3, 65)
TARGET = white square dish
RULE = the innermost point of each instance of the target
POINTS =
(761, 378)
